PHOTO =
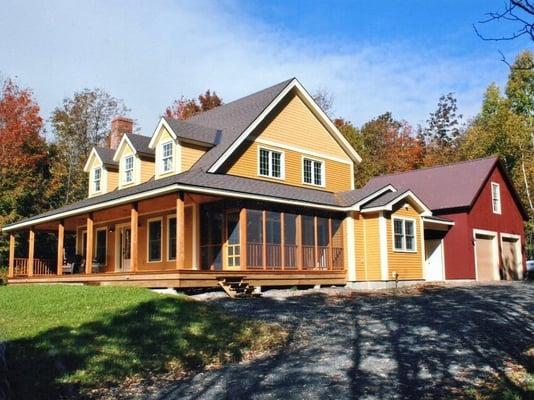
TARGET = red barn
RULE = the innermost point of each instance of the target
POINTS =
(487, 240)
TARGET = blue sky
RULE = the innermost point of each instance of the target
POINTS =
(373, 57)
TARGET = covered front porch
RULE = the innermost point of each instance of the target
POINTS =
(183, 240)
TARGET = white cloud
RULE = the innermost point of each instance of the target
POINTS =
(150, 53)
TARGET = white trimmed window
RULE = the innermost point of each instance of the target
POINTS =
(166, 157)
(97, 179)
(270, 163)
(404, 234)
(496, 197)
(313, 172)
(128, 169)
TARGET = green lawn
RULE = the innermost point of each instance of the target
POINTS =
(72, 339)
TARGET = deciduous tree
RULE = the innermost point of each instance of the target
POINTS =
(184, 108)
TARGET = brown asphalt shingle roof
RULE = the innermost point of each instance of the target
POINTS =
(106, 155)
(187, 130)
(232, 119)
(443, 187)
(140, 143)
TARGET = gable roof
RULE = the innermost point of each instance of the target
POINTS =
(138, 143)
(449, 186)
(105, 155)
(237, 119)
(387, 200)
(192, 132)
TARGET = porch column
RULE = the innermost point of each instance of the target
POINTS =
(134, 240)
(299, 242)
(11, 267)
(31, 247)
(243, 238)
(60, 240)
(180, 231)
(350, 244)
(89, 246)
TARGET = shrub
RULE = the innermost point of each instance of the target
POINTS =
(3, 276)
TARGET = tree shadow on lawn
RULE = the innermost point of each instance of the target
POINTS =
(152, 337)
(433, 344)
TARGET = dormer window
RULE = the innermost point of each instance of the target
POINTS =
(166, 157)
(97, 179)
(128, 169)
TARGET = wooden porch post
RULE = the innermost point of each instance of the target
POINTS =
(315, 244)
(243, 238)
(31, 248)
(299, 242)
(264, 237)
(180, 231)
(330, 247)
(60, 240)
(282, 241)
(134, 238)
(89, 246)
(11, 268)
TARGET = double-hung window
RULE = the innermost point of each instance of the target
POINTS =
(496, 197)
(270, 163)
(313, 172)
(404, 234)
(166, 157)
(128, 169)
(97, 178)
(154, 240)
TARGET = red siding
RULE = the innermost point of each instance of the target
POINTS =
(459, 250)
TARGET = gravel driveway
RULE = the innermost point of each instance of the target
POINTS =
(410, 345)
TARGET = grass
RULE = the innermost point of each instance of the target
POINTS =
(65, 341)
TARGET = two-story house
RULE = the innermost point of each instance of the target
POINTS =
(260, 188)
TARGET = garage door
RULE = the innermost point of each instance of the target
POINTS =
(484, 258)
(510, 259)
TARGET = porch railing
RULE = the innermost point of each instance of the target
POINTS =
(40, 266)
(326, 258)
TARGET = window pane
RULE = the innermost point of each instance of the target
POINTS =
(398, 242)
(308, 231)
(232, 225)
(410, 243)
(273, 228)
(398, 226)
(408, 226)
(317, 173)
(307, 171)
(154, 240)
(264, 162)
(172, 238)
(275, 164)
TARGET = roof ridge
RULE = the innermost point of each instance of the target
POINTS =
(286, 82)
(436, 166)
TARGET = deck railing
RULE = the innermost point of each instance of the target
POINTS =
(40, 266)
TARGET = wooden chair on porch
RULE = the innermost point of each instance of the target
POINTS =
(68, 264)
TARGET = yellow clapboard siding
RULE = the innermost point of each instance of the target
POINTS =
(296, 125)
(113, 180)
(147, 170)
(372, 245)
(409, 265)
(359, 237)
(190, 155)
(338, 175)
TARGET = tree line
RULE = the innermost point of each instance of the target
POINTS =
(38, 175)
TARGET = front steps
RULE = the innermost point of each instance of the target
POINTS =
(237, 288)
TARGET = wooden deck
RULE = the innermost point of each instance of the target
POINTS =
(191, 278)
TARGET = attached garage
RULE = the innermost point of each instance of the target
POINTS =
(486, 257)
(512, 265)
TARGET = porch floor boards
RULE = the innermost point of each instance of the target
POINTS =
(191, 278)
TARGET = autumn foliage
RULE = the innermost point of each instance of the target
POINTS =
(184, 108)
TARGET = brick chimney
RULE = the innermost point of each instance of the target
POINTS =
(119, 126)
